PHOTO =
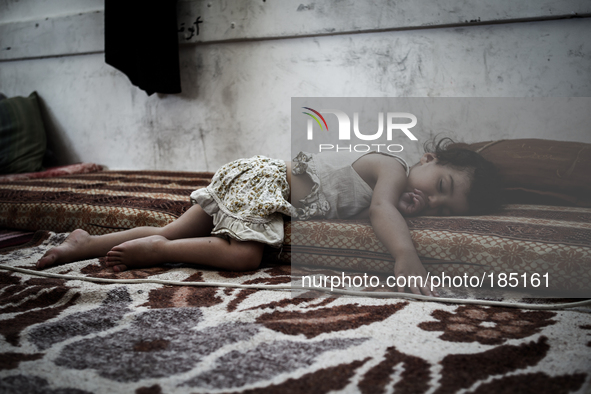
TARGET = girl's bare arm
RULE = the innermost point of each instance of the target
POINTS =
(388, 179)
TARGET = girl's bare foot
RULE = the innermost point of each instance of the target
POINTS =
(72, 249)
(142, 252)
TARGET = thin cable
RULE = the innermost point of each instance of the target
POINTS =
(289, 287)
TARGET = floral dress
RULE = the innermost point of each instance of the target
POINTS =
(247, 199)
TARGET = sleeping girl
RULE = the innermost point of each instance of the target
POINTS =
(242, 210)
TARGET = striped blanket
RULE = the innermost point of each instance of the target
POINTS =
(520, 239)
(74, 336)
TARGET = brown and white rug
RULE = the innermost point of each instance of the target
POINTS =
(74, 336)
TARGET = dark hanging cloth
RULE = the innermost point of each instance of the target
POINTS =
(141, 40)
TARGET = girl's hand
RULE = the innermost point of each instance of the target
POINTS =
(411, 203)
(410, 267)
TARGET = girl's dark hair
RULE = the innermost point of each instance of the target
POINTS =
(485, 182)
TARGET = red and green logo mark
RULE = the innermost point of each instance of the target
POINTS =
(315, 118)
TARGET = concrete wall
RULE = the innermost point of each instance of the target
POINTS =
(250, 57)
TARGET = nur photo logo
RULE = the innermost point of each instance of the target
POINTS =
(392, 120)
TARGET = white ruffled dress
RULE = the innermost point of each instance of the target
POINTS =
(247, 199)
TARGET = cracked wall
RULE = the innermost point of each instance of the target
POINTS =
(239, 73)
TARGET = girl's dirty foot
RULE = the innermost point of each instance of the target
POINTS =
(141, 252)
(72, 249)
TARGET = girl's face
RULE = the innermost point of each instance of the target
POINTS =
(435, 190)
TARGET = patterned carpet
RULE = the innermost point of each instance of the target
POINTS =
(60, 336)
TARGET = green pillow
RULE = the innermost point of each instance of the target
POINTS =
(22, 135)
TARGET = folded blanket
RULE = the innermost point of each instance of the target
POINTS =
(80, 168)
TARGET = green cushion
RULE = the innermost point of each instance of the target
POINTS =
(22, 135)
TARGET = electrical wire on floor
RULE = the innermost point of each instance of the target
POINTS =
(285, 287)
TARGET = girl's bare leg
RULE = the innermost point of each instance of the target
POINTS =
(80, 245)
(211, 251)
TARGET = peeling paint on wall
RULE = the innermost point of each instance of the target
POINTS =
(236, 92)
